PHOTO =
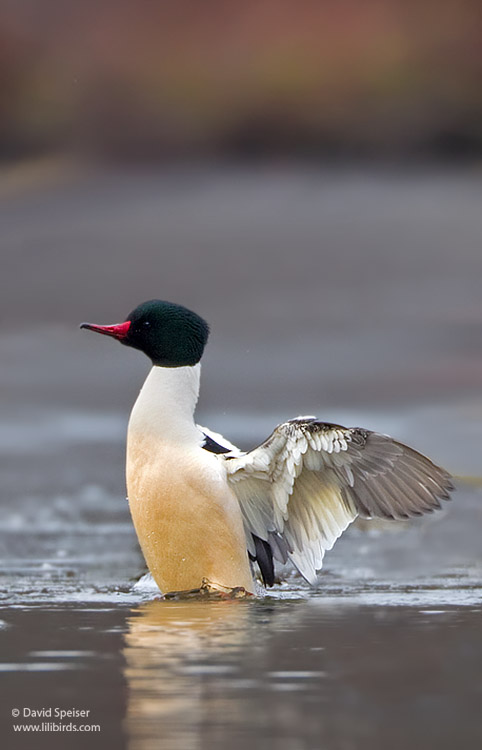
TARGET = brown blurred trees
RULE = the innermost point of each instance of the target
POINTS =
(135, 79)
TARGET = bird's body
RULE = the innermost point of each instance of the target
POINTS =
(202, 509)
(186, 516)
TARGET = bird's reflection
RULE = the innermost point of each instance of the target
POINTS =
(312, 674)
(178, 657)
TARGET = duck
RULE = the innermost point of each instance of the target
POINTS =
(204, 510)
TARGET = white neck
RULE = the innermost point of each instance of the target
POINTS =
(165, 406)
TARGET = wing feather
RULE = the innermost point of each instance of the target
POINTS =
(302, 487)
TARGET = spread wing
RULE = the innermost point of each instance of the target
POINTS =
(302, 487)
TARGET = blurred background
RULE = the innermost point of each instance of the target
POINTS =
(125, 80)
(307, 176)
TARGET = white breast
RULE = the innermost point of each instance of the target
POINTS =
(187, 518)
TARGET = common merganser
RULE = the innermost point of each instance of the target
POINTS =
(202, 509)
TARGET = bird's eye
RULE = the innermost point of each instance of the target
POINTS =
(146, 324)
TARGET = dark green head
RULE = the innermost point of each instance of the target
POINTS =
(170, 335)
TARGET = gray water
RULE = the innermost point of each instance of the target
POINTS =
(352, 295)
